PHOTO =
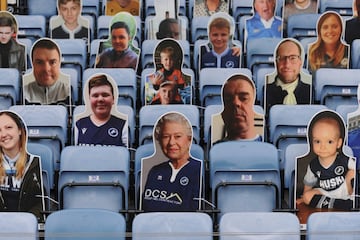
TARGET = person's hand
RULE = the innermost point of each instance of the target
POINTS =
(236, 51)
(157, 78)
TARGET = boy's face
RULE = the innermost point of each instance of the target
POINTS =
(219, 37)
(5, 34)
(167, 61)
(326, 140)
(70, 12)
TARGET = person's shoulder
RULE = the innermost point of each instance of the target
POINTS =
(161, 166)
(117, 119)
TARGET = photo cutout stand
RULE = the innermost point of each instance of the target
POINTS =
(325, 177)
(168, 84)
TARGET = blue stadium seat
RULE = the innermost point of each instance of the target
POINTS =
(288, 124)
(260, 79)
(149, 115)
(27, 42)
(241, 8)
(302, 25)
(333, 225)
(75, 84)
(96, 224)
(9, 88)
(343, 7)
(211, 81)
(175, 225)
(31, 26)
(146, 150)
(91, 7)
(260, 52)
(125, 79)
(259, 225)
(199, 26)
(335, 86)
(355, 54)
(47, 124)
(46, 8)
(18, 226)
(344, 110)
(94, 177)
(73, 53)
(245, 182)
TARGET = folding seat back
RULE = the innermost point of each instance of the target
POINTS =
(249, 181)
(355, 54)
(18, 226)
(343, 7)
(94, 224)
(259, 225)
(94, 177)
(199, 28)
(9, 87)
(172, 225)
(32, 26)
(333, 225)
(302, 25)
(334, 86)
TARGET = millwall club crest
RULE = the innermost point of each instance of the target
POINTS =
(113, 132)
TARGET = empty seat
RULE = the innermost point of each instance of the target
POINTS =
(31, 26)
(199, 28)
(333, 225)
(18, 226)
(9, 88)
(259, 225)
(94, 177)
(245, 182)
(343, 7)
(176, 225)
(302, 25)
(335, 86)
(85, 224)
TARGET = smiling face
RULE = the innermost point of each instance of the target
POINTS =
(219, 38)
(46, 66)
(9, 135)
(167, 93)
(326, 139)
(175, 141)
(288, 63)
(167, 60)
(330, 30)
(265, 8)
(70, 12)
(120, 39)
(238, 113)
(101, 100)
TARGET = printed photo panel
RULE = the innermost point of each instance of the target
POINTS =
(168, 84)
(11, 47)
(40, 87)
(69, 24)
(325, 177)
(113, 7)
(203, 8)
(352, 26)
(101, 123)
(235, 122)
(340, 51)
(117, 53)
(220, 25)
(353, 125)
(171, 180)
(289, 83)
(166, 23)
(254, 26)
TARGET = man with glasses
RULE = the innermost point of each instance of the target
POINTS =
(288, 85)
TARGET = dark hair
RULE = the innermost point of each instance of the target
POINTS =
(164, 28)
(6, 22)
(100, 80)
(60, 2)
(120, 24)
(45, 43)
(322, 116)
(357, 4)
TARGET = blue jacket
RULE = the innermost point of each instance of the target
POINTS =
(256, 29)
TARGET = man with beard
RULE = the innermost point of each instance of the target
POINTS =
(238, 96)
